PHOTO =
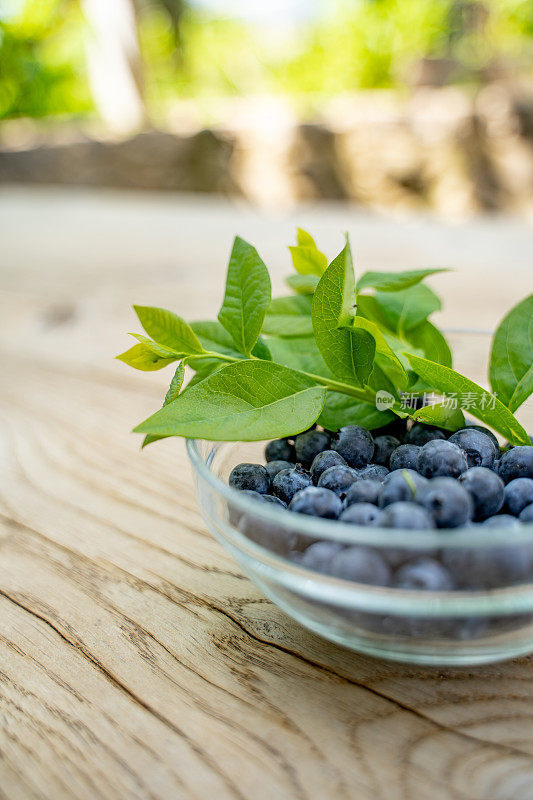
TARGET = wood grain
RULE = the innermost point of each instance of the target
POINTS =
(136, 661)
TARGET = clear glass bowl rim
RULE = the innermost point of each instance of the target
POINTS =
(355, 534)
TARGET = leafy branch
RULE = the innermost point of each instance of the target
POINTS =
(273, 367)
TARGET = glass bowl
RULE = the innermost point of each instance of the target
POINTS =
(460, 627)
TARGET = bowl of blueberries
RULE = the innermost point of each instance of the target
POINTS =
(407, 543)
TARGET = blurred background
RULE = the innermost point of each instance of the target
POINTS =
(388, 104)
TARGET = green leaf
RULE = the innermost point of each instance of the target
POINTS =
(347, 352)
(261, 350)
(394, 366)
(340, 409)
(471, 397)
(394, 281)
(300, 353)
(302, 284)
(247, 296)
(403, 310)
(247, 400)
(214, 337)
(289, 316)
(158, 349)
(511, 360)
(431, 343)
(168, 329)
(142, 357)
(441, 415)
(305, 239)
(307, 258)
(172, 393)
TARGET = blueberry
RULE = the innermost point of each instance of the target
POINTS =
(323, 461)
(406, 515)
(516, 463)
(487, 567)
(441, 458)
(310, 444)
(318, 556)
(289, 481)
(502, 521)
(404, 457)
(478, 448)
(397, 427)
(267, 534)
(272, 500)
(420, 434)
(425, 574)
(361, 514)
(361, 564)
(363, 492)
(316, 502)
(338, 479)
(273, 467)
(373, 472)
(250, 476)
(486, 490)
(280, 450)
(264, 498)
(518, 495)
(399, 486)
(484, 430)
(526, 515)
(355, 444)
(448, 502)
(383, 447)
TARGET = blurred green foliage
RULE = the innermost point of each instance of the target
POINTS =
(352, 44)
(42, 62)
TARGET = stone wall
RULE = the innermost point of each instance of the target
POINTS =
(440, 149)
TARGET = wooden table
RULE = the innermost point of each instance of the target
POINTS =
(136, 661)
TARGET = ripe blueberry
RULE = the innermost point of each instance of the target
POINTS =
(355, 444)
(448, 502)
(406, 515)
(250, 476)
(383, 447)
(338, 479)
(318, 556)
(526, 515)
(425, 574)
(373, 472)
(518, 495)
(441, 458)
(404, 457)
(486, 490)
(365, 491)
(420, 434)
(361, 564)
(361, 514)
(502, 521)
(280, 450)
(478, 448)
(310, 444)
(289, 481)
(267, 534)
(273, 467)
(323, 461)
(516, 463)
(316, 502)
(399, 486)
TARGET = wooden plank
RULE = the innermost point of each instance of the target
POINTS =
(135, 658)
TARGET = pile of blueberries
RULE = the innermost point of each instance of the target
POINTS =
(409, 478)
